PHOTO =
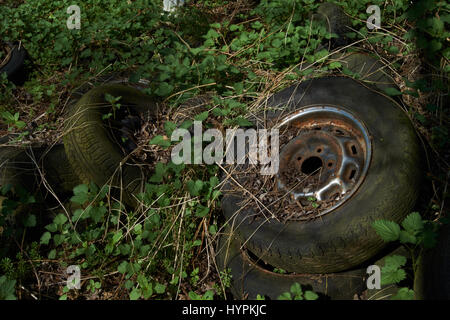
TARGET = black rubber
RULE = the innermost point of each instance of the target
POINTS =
(343, 238)
(335, 21)
(249, 279)
(15, 67)
(432, 279)
(58, 171)
(90, 147)
(17, 167)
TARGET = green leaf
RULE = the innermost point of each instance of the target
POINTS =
(60, 219)
(194, 187)
(30, 221)
(392, 92)
(242, 122)
(160, 288)
(135, 294)
(404, 294)
(122, 268)
(406, 237)
(160, 141)
(202, 116)
(7, 288)
(285, 296)
(81, 189)
(45, 238)
(296, 289)
(334, 65)
(413, 223)
(310, 295)
(391, 272)
(387, 230)
(52, 254)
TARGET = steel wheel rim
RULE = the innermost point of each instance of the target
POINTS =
(331, 146)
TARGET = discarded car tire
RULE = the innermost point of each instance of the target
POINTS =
(249, 279)
(89, 144)
(343, 237)
(58, 170)
(335, 21)
(16, 165)
(432, 278)
(13, 65)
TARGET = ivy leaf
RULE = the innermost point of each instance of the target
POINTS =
(387, 230)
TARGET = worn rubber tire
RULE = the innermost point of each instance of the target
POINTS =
(343, 238)
(14, 68)
(16, 165)
(432, 278)
(58, 170)
(89, 145)
(249, 279)
(335, 21)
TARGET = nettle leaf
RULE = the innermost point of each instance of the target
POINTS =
(406, 237)
(296, 289)
(404, 294)
(391, 272)
(387, 230)
(413, 223)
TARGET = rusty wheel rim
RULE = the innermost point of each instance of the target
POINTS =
(328, 157)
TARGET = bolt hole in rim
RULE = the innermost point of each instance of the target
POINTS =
(331, 146)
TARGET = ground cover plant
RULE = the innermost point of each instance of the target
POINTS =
(236, 53)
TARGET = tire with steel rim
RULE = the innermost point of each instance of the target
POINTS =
(362, 153)
(250, 279)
